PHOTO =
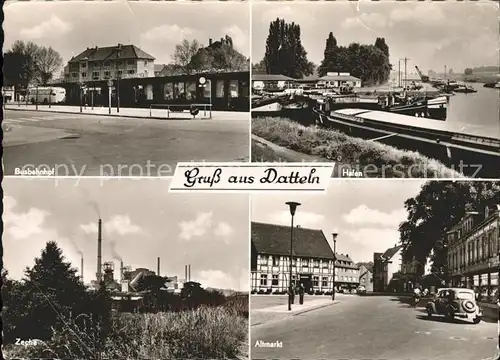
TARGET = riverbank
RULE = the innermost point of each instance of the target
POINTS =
(371, 159)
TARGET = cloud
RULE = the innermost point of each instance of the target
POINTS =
(366, 20)
(119, 224)
(364, 215)
(223, 229)
(303, 218)
(23, 225)
(54, 27)
(171, 33)
(223, 280)
(197, 227)
(240, 38)
(365, 241)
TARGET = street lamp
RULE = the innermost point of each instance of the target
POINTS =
(334, 235)
(117, 83)
(293, 207)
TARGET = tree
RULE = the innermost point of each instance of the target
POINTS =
(380, 44)
(151, 283)
(330, 61)
(285, 54)
(260, 67)
(184, 52)
(220, 56)
(48, 61)
(49, 295)
(28, 63)
(468, 71)
(438, 206)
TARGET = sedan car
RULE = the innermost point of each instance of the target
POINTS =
(455, 303)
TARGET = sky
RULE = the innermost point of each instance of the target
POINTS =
(141, 221)
(431, 34)
(365, 214)
(155, 27)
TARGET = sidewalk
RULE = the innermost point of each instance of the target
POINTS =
(158, 114)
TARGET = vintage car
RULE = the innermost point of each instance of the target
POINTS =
(361, 290)
(455, 303)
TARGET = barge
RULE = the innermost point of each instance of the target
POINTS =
(470, 154)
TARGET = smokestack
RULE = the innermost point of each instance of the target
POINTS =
(99, 251)
(186, 273)
(189, 272)
(81, 269)
(121, 270)
(158, 266)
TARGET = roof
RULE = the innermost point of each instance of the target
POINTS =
(111, 53)
(339, 78)
(389, 253)
(271, 77)
(311, 78)
(275, 240)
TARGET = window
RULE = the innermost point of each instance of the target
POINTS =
(191, 90)
(233, 88)
(74, 74)
(95, 74)
(325, 264)
(275, 280)
(83, 65)
(107, 64)
(107, 74)
(84, 74)
(119, 73)
(305, 262)
(131, 72)
(324, 282)
(315, 281)
(149, 92)
(118, 62)
(276, 261)
(244, 88)
(263, 279)
(219, 89)
(294, 262)
(179, 92)
(168, 91)
(207, 89)
(131, 62)
(316, 263)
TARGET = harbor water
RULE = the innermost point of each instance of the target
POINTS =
(475, 113)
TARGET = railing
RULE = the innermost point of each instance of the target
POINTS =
(193, 109)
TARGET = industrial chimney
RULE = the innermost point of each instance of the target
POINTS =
(81, 269)
(186, 273)
(158, 266)
(121, 270)
(189, 272)
(99, 251)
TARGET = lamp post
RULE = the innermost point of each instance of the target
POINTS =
(117, 83)
(334, 235)
(293, 207)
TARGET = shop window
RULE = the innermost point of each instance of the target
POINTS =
(219, 89)
(168, 91)
(275, 280)
(191, 91)
(149, 92)
(179, 91)
(233, 88)
(324, 282)
(263, 280)
(315, 281)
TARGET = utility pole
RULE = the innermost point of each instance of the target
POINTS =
(399, 73)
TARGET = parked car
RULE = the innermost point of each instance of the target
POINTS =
(455, 303)
(361, 290)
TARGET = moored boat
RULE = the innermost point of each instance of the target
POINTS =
(465, 89)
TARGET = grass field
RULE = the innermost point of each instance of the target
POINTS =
(381, 159)
(204, 333)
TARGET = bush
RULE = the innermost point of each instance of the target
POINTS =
(261, 292)
(204, 333)
(342, 149)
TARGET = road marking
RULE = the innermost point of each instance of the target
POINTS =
(423, 332)
(458, 338)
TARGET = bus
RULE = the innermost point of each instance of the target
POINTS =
(47, 95)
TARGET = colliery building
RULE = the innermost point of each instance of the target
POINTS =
(312, 266)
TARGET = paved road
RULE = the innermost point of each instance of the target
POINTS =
(373, 328)
(97, 145)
